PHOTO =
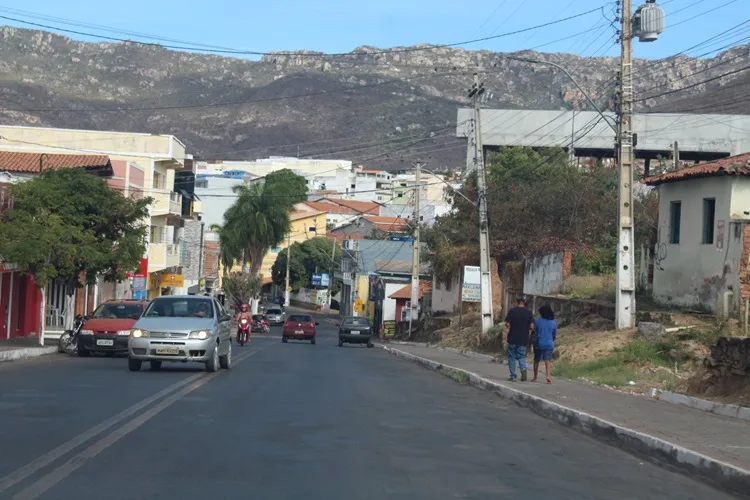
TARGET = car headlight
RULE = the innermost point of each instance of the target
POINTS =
(199, 334)
(137, 333)
(123, 333)
(87, 332)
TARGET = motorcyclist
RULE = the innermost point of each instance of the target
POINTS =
(244, 314)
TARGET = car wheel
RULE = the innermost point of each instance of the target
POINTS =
(226, 360)
(341, 343)
(283, 339)
(212, 364)
(83, 353)
(370, 344)
(313, 341)
(156, 365)
(134, 365)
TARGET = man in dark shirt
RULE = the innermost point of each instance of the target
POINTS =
(520, 322)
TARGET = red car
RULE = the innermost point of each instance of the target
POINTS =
(108, 328)
(299, 327)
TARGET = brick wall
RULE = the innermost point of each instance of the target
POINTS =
(743, 270)
(211, 258)
(192, 235)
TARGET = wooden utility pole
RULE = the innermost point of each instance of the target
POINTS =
(288, 261)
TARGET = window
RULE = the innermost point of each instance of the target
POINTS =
(675, 214)
(158, 181)
(709, 216)
(168, 307)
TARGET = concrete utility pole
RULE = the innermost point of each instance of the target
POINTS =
(415, 268)
(484, 230)
(676, 156)
(625, 298)
(288, 260)
(330, 276)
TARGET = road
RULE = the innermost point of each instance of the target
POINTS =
(294, 421)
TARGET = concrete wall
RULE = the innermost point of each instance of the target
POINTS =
(389, 305)
(545, 274)
(693, 274)
(446, 298)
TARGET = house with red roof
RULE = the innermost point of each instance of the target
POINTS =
(703, 248)
(340, 212)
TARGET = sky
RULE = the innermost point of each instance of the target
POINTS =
(341, 25)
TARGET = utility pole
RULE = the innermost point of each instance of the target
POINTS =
(484, 230)
(288, 261)
(676, 156)
(625, 299)
(415, 267)
(330, 276)
(572, 149)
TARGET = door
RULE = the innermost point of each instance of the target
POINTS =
(224, 324)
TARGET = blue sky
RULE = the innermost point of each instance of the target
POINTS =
(341, 25)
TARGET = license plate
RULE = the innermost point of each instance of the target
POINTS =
(105, 342)
(168, 350)
(299, 332)
(354, 332)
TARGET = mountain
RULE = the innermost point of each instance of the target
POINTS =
(379, 107)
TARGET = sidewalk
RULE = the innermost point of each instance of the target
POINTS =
(699, 443)
(22, 348)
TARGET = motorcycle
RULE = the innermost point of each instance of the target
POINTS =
(261, 324)
(68, 342)
(243, 332)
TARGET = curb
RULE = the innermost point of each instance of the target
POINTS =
(731, 411)
(720, 474)
(463, 352)
(26, 352)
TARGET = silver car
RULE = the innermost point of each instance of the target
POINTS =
(181, 328)
(275, 316)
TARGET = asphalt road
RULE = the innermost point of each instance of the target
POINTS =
(294, 421)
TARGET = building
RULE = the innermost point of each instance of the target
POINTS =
(402, 296)
(701, 258)
(374, 226)
(151, 161)
(22, 311)
(340, 212)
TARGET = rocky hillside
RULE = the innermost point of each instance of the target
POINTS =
(381, 109)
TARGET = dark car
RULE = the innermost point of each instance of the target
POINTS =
(355, 330)
(299, 327)
(108, 328)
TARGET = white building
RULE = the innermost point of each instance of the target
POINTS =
(701, 258)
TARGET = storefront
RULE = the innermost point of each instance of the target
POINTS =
(20, 304)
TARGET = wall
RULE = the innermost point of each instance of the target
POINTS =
(545, 274)
(389, 305)
(692, 274)
(299, 233)
(446, 298)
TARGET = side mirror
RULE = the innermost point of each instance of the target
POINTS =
(317, 324)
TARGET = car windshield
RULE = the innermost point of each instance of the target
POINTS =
(273, 311)
(299, 318)
(180, 308)
(118, 311)
(258, 317)
(356, 322)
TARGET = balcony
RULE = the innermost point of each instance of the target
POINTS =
(173, 255)
(165, 202)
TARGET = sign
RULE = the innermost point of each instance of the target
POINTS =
(347, 278)
(139, 283)
(139, 294)
(389, 329)
(142, 270)
(471, 288)
(359, 306)
(172, 280)
(320, 279)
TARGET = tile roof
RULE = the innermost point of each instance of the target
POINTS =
(361, 207)
(12, 161)
(388, 223)
(405, 292)
(303, 214)
(732, 165)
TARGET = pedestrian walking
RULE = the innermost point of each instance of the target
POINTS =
(545, 333)
(520, 322)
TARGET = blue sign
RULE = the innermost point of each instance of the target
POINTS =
(139, 294)
(402, 238)
(320, 279)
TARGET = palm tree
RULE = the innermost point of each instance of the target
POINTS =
(252, 225)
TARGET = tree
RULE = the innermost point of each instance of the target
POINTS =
(537, 203)
(259, 218)
(241, 287)
(308, 257)
(68, 225)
